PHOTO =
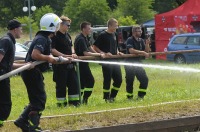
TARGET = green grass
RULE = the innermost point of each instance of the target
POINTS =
(164, 86)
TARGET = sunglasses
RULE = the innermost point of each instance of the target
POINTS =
(67, 24)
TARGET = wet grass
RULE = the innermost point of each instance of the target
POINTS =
(164, 86)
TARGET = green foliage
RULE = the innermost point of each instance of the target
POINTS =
(70, 10)
(139, 9)
(25, 20)
(162, 6)
(125, 21)
(96, 13)
(93, 11)
(40, 12)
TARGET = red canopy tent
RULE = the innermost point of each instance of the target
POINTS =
(184, 19)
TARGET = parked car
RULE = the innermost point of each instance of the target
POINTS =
(187, 41)
(20, 51)
(28, 43)
(123, 32)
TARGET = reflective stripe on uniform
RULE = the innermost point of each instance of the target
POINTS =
(30, 123)
(106, 91)
(129, 94)
(61, 100)
(88, 89)
(142, 90)
(73, 97)
(115, 88)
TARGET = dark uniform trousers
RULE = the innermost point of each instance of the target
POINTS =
(33, 80)
(87, 80)
(140, 74)
(111, 72)
(5, 98)
(66, 77)
(29, 119)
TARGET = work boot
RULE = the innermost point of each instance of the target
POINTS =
(34, 121)
(85, 101)
(62, 104)
(74, 103)
(22, 121)
(140, 98)
(23, 124)
(110, 100)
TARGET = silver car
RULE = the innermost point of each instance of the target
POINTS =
(20, 51)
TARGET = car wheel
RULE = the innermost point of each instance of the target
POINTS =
(179, 59)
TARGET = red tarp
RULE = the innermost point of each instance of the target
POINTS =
(185, 18)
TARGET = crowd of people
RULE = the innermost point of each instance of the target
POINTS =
(52, 41)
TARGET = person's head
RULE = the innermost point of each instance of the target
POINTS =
(112, 25)
(136, 31)
(85, 28)
(50, 22)
(15, 28)
(65, 24)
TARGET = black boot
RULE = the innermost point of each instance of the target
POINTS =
(85, 101)
(34, 121)
(22, 121)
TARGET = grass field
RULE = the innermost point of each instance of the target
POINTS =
(164, 86)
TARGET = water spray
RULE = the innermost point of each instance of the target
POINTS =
(93, 59)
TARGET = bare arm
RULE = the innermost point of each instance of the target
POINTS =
(147, 43)
(97, 49)
(138, 52)
(91, 54)
(57, 53)
(92, 49)
(37, 55)
(17, 65)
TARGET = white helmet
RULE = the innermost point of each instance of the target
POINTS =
(50, 22)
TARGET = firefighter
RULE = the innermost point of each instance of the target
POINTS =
(83, 48)
(64, 75)
(136, 45)
(33, 78)
(7, 52)
(107, 43)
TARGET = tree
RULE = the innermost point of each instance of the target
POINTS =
(180, 2)
(94, 11)
(112, 4)
(25, 20)
(56, 5)
(126, 21)
(40, 12)
(141, 10)
(161, 6)
(9, 9)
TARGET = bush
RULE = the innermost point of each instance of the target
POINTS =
(25, 20)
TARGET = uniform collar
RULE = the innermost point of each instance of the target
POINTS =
(60, 33)
(12, 37)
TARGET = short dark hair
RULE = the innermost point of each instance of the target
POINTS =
(84, 24)
(134, 28)
(12, 24)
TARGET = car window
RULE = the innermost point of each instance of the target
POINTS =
(180, 40)
(193, 40)
(20, 48)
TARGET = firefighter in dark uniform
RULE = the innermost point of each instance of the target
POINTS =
(136, 45)
(7, 53)
(83, 48)
(33, 78)
(107, 43)
(64, 75)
